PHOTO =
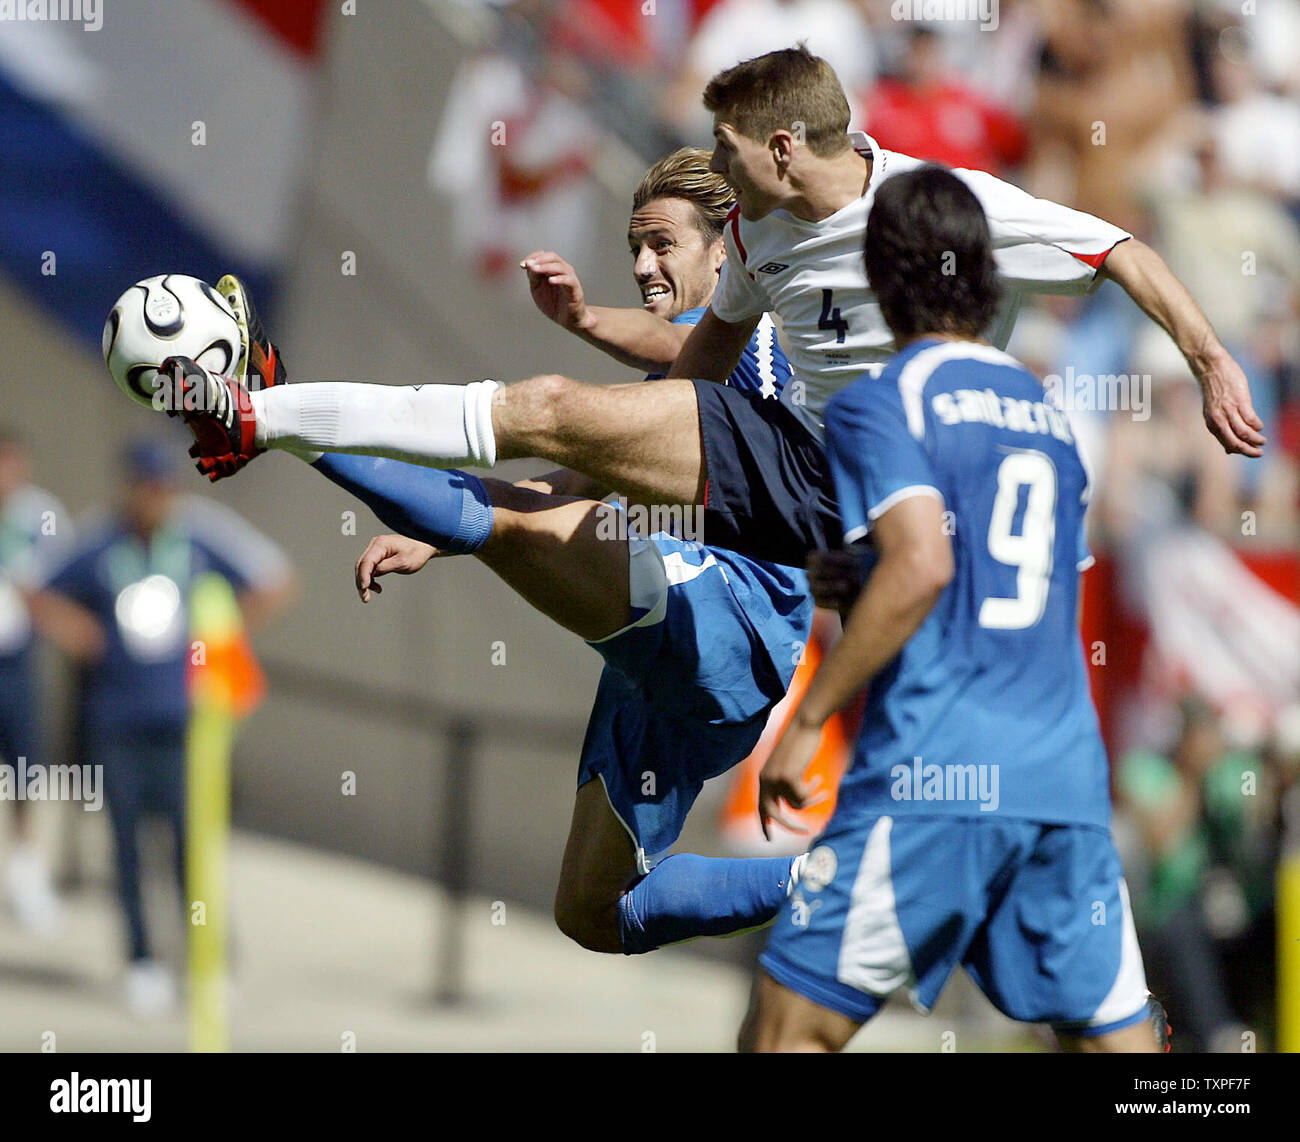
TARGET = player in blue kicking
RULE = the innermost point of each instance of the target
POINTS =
(973, 827)
(700, 644)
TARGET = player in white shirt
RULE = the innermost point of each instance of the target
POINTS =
(759, 470)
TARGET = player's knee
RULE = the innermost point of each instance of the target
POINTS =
(541, 399)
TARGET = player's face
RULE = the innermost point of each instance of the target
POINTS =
(676, 267)
(749, 166)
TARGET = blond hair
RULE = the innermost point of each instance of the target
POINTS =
(685, 174)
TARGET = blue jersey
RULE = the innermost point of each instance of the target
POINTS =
(987, 707)
(783, 616)
(140, 592)
(762, 369)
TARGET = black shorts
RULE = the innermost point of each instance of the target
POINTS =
(769, 492)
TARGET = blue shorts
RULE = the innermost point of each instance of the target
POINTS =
(689, 684)
(769, 491)
(1037, 914)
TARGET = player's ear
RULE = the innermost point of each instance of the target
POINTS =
(780, 145)
(717, 254)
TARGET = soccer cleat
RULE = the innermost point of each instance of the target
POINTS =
(260, 365)
(218, 412)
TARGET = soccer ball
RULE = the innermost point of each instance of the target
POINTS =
(163, 316)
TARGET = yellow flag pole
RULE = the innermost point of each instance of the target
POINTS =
(215, 619)
(211, 735)
(1288, 950)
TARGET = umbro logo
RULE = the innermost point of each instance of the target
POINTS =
(773, 268)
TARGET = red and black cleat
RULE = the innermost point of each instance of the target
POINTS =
(218, 412)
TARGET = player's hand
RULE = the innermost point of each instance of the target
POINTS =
(556, 290)
(782, 777)
(1227, 407)
(389, 555)
(835, 578)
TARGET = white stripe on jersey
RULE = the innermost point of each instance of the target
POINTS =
(912, 378)
(764, 338)
(677, 570)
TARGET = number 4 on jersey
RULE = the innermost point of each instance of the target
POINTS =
(830, 318)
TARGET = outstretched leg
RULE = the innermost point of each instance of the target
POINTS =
(555, 553)
(642, 439)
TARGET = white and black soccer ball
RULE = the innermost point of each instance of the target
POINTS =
(163, 316)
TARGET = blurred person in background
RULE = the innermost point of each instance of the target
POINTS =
(735, 30)
(516, 144)
(1161, 471)
(33, 527)
(1114, 75)
(1238, 251)
(118, 604)
(1113, 78)
(1207, 818)
(925, 110)
(1257, 131)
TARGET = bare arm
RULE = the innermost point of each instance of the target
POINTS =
(262, 603)
(74, 629)
(1229, 414)
(631, 336)
(713, 349)
(916, 564)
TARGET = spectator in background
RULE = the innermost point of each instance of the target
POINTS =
(736, 30)
(1207, 819)
(118, 604)
(1158, 473)
(1113, 78)
(924, 111)
(1238, 252)
(33, 526)
(1257, 132)
(516, 144)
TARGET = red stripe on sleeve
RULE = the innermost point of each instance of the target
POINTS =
(734, 218)
(1093, 260)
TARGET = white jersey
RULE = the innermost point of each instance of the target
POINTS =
(812, 276)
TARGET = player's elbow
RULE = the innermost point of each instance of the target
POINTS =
(927, 568)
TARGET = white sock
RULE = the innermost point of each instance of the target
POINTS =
(439, 426)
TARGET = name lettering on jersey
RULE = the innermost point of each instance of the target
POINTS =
(984, 406)
(773, 267)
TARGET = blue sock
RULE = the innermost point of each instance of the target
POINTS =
(687, 895)
(445, 507)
